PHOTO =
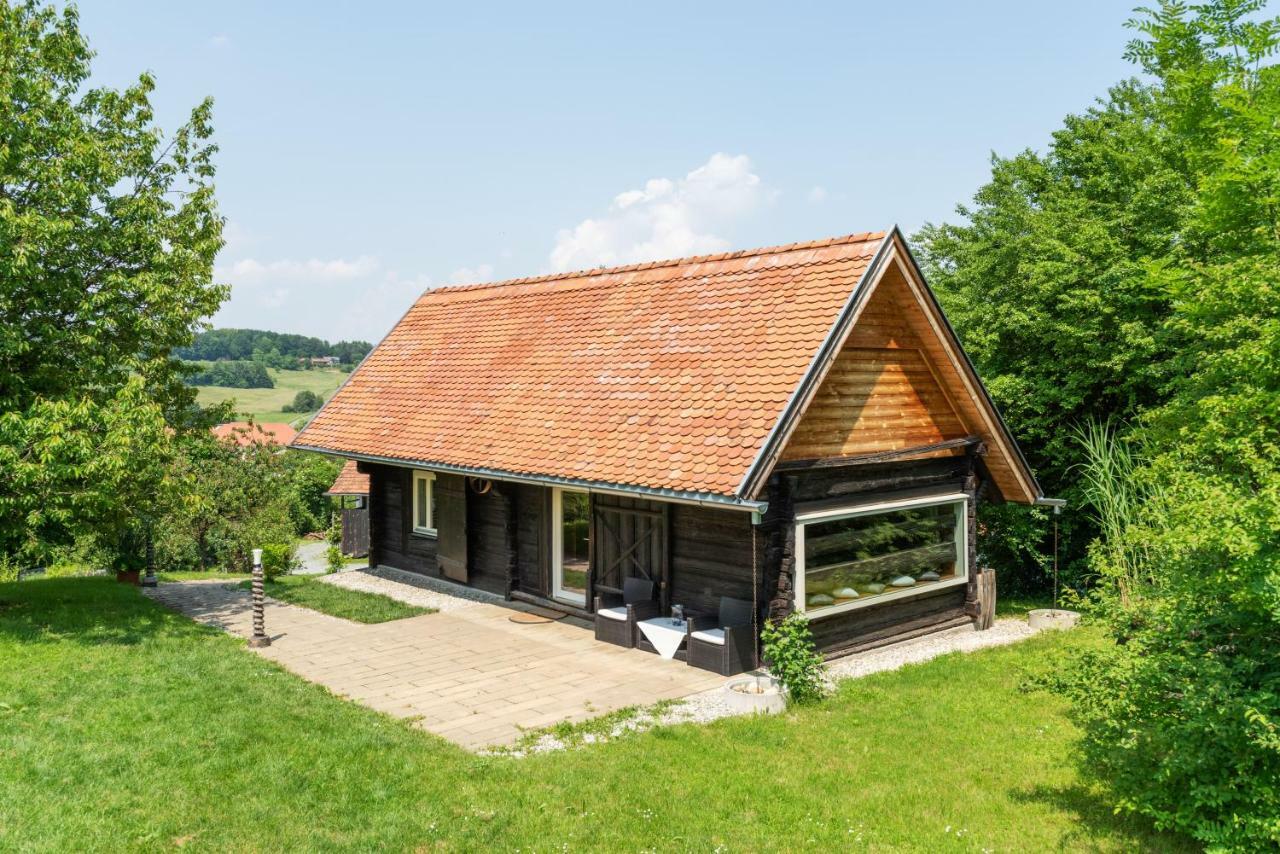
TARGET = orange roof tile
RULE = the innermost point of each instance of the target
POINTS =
(349, 481)
(667, 375)
(267, 432)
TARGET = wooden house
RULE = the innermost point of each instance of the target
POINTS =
(351, 488)
(797, 427)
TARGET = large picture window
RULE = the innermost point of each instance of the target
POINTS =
(424, 499)
(855, 557)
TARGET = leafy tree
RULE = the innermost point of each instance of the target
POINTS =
(237, 498)
(275, 349)
(1047, 284)
(304, 401)
(308, 475)
(232, 375)
(1181, 715)
(108, 232)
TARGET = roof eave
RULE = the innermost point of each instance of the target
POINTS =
(703, 499)
(1037, 493)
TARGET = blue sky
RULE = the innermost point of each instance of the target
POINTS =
(369, 150)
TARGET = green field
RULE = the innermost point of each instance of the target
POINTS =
(265, 404)
(124, 726)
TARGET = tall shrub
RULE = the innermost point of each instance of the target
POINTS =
(1181, 714)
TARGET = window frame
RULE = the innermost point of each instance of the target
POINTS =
(558, 591)
(430, 477)
(850, 511)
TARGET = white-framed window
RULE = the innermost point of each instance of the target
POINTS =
(570, 553)
(863, 555)
(424, 503)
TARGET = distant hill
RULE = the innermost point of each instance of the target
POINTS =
(275, 349)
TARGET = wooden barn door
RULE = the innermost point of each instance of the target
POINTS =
(630, 541)
(451, 526)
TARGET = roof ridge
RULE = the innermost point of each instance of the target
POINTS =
(859, 237)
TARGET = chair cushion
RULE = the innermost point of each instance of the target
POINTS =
(619, 613)
(715, 636)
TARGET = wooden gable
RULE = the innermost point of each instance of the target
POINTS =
(881, 392)
(899, 380)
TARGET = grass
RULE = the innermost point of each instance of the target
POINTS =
(125, 726)
(200, 576)
(265, 404)
(337, 601)
(1018, 606)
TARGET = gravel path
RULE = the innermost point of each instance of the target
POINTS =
(311, 554)
(410, 588)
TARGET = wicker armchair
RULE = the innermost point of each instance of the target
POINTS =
(725, 643)
(617, 616)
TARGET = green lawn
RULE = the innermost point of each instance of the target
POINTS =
(264, 404)
(340, 602)
(201, 576)
(125, 726)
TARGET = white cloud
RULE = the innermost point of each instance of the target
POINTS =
(219, 40)
(666, 218)
(252, 271)
(471, 275)
(817, 195)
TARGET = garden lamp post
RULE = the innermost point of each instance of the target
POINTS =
(149, 580)
(259, 638)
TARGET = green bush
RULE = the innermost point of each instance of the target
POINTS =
(308, 475)
(232, 501)
(333, 555)
(9, 569)
(793, 660)
(304, 401)
(279, 559)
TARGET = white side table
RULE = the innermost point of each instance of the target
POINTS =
(666, 635)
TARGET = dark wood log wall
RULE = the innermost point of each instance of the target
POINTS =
(533, 549)
(710, 550)
(875, 625)
(393, 543)
(391, 538)
(710, 556)
(488, 558)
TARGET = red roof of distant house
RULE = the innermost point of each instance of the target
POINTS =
(349, 481)
(268, 432)
(667, 375)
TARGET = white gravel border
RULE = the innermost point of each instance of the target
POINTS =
(710, 705)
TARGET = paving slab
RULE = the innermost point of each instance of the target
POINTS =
(468, 674)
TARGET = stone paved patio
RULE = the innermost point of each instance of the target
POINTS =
(469, 675)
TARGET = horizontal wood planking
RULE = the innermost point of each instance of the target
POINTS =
(487, 549)
(710, 557)
(880, 393)
(531, 539)
(392, 541)
(862, 628)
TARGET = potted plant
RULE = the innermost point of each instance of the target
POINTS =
(128, 558)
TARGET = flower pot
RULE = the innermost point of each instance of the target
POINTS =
(1052, 618)
(754, 695)
(127, 576)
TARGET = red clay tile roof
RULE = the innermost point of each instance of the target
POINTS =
(667, 375)
(242, 433)
(349, 481)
